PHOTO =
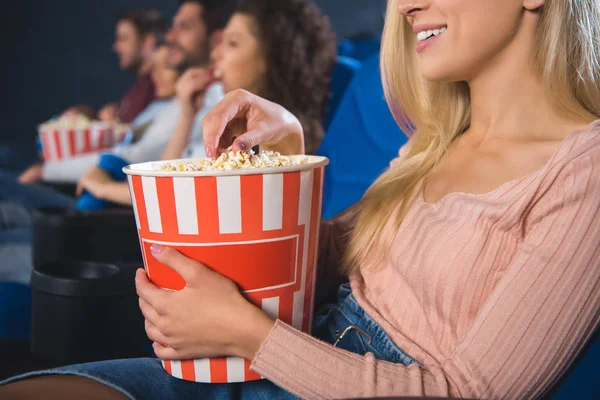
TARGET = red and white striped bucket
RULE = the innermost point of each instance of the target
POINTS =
(61, 144)
(258, 227)
(120, 132)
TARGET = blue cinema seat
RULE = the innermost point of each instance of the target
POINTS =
(361, 141)
(342, 75)
(15, 311)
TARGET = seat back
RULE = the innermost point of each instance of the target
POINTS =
(581, 379)
(342, 74)
(361, 141)
(15, 311)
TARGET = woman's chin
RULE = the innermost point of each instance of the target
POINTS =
(435, 75)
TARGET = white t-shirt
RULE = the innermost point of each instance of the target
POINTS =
(195, 148)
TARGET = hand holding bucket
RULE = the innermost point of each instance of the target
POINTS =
(257, 227)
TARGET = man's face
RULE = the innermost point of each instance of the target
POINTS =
(187, 39)
(128, 46)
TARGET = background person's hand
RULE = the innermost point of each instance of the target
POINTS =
(191, 88)
(108, 113)
(208, 318)
(255, 122)
(93, 180)
(32, 174)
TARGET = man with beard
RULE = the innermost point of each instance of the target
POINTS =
(136, 35)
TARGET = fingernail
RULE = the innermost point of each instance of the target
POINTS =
(156, 248)
(210, 151)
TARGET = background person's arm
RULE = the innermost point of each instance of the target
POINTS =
(190, 94)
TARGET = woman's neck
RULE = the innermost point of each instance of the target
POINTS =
(510, 100)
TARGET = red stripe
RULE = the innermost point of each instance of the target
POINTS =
(168, 212)
(315, 220)
(72, 150)
(207, 208)
(218, 370)
(87, 138)
(168, 367)
(251, 189)
(101, 143)
(188, 371)
(57, 141)
(250, 375)
(140, 205)
(291, 200)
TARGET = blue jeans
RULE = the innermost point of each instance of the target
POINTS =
(15, 243)
(346, 325)
(31, 196)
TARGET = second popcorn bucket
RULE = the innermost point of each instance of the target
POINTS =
(259, 227)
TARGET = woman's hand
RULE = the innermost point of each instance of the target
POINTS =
(208, 318)
(32, 174)
(255, 122)
(94, 181)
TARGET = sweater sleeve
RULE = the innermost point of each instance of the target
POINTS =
(539, 315)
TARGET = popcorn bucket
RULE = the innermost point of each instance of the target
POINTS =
(61, 144)
(258, 227)
(120, 132)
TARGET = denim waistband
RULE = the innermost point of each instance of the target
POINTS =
(347, 316)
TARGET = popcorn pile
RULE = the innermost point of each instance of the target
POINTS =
(229, 161)
(76, 121)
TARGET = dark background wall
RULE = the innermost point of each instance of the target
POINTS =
(58, 53)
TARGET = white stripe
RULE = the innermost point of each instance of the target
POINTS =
(271, 307)
(185, 205)
(298, 309)
(64, 144)
(272, 202)
(306, 185)
(176, 369)
(320, 171)
(202, 370)
(230, 204)
(151, 201)
(79, 142)
(95, 138)
(132, 194)
(235, 369)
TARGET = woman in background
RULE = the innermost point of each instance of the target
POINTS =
(281, 50)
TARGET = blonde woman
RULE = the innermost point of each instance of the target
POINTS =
(484, 281)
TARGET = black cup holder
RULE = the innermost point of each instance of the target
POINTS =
(66, 235)
(86, 311)
(83, 279)
(81, 270)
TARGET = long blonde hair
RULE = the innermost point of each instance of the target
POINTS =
(567, 57)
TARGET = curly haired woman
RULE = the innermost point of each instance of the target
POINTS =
(283, 51)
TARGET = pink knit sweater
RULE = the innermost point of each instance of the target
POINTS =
(494, 293)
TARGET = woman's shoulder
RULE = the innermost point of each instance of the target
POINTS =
(578, 149)
(574, 171)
